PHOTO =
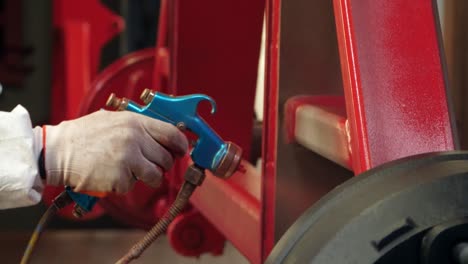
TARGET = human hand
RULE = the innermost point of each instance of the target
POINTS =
(108, 151)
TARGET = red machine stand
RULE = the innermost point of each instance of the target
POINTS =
(190, 234)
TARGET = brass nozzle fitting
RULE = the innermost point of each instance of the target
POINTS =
(231, 161)
(116, 103)
(147, 96)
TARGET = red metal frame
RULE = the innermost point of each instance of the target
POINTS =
(270, 125)
(395, 89)
(394, 82)
(82, 28)
(161, 61)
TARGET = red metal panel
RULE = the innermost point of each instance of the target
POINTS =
(393, 79)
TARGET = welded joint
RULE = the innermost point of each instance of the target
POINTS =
(319, 123)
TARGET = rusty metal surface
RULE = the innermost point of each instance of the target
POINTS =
(98, 246)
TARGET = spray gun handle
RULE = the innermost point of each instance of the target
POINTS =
(209, 151)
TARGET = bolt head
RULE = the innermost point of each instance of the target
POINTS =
(181, 126)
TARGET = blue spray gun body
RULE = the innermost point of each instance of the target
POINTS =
(209, 151)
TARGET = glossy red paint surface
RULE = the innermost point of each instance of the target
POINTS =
(78, 76)
(393, 79)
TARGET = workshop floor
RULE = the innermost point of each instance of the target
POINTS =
(101, 246)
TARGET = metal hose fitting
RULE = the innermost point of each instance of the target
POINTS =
(194, 177)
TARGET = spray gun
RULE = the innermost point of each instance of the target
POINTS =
(209, 151)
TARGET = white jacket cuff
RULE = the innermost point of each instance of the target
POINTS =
(20, 145)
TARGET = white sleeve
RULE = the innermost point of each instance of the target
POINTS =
(20, 145)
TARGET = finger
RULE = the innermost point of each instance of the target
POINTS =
(156, 153)
(166, 134)
(149, 173)
(125, 182)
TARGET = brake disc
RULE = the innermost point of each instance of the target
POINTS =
(408, 211)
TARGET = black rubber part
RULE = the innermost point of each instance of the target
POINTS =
(446, 243)
(381, 215)
(256, 147)
(460, 253)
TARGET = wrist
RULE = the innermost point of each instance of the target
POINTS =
(39, 149)
(52, 150)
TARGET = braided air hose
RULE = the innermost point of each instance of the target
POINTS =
(193, 178)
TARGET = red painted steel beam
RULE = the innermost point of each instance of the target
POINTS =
(162, 55)
(103, 25)
(394, 82)
(77, 74)
(270, 125)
